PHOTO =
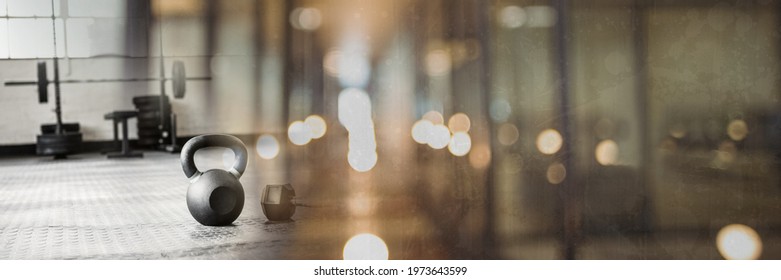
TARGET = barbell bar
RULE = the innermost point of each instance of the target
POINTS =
(178, 79)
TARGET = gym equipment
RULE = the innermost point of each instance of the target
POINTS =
(51, 128)
(215, 197)
(279, 202)
(177, 79)
(58, 145)
(166, 121)
(61, 142)
(122, 116)
(150, 132)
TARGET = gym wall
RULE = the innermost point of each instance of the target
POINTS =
(245, 89)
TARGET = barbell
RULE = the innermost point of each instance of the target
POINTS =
(178, 78)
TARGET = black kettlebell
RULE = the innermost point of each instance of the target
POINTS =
(215, 197)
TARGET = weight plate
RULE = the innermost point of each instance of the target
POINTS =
(43, 83)
(147, 141)
(148, 126)
(149, 133)
(146, 99)
(58, 144)
(152, 107)
(178, 80)
(149, 114)
(50, 128)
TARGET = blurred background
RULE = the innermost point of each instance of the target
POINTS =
(594, 129)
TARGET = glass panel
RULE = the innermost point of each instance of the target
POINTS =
(32, 38)
(3, 38)
(28, 8)
(3, 7)
(97, 8)
(98, 36)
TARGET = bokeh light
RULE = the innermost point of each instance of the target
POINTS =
(508, 134)
(556, 173)
(439, 137)
(737, 130)
(460, 144)
(434, 117)
(331, 62)
(354, 108)
(267, 146)
(512, 17)
(500, 110)
(549, 141)
(459, 122)
(739, 242)
(316, 125)
(480, 156)
(540, 16)
(438, 63)
(299, 133)
(606, 152)
(678, 131)
(307, 19)
(365, 246)
(362, 140)
(354, 69)
(362, 160)
(421, 130)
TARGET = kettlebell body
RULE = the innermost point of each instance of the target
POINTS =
(215, 197)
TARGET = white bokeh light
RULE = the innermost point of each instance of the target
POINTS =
(317, 126)
(299, 133)
(460, 144)
(354, 108)
(439, 137)
(365, 246)
(549, 141)
(512, 17)
(739, 242)
(420, 131)
(267, 146)
(354, 70)
(606, 152)
(307, 19)
(362, 160)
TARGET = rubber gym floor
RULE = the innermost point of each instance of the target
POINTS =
(91, 207)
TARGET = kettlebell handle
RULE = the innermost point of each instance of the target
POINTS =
(213, 140)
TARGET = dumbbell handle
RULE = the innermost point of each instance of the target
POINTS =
(309, 205)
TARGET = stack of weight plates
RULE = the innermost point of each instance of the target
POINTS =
(149, 130)
(49, 143)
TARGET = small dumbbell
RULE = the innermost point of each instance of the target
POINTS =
(279, 202)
